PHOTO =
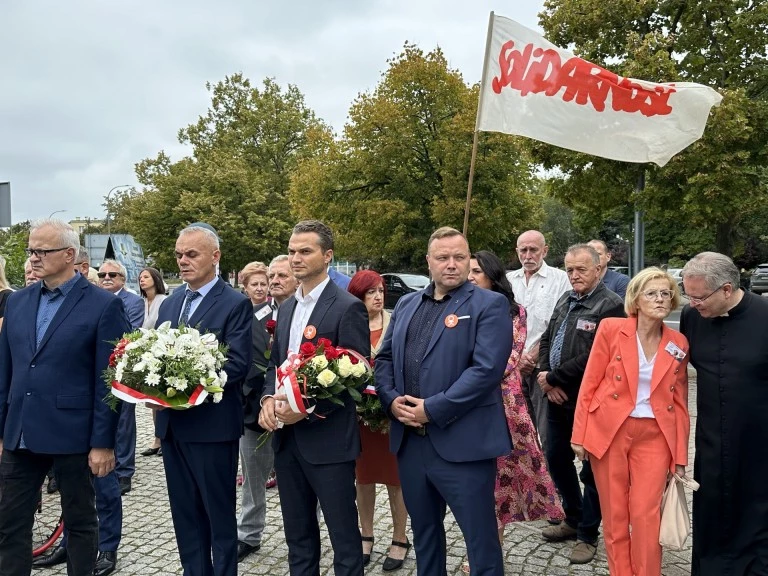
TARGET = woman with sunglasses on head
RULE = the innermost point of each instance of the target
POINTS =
(152, 289)
(524, 490)
(632, 421)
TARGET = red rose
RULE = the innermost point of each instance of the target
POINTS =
(271, 326)
(353, 359)
(325, 343)
(113, 359)
(331, 353)
(307, 349)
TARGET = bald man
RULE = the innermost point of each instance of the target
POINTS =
(537, 287)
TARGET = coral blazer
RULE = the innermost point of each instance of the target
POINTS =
(608, 391)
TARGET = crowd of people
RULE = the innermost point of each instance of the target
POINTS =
(494, 384)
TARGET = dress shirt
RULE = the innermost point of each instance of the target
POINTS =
(538, 296)
(203, 290)
(305, 304)
(49, 304)
(643, 402)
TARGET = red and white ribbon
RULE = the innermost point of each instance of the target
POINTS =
(131, 396)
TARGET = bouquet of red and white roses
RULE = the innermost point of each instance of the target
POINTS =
(169, 367)
(321, 372)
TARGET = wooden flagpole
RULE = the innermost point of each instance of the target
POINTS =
(477, 122)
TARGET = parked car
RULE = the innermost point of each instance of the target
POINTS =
(398, 284)
(759, 279)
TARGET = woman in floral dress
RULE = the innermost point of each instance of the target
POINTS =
(524, 489)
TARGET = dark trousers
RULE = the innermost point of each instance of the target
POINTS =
(429, 483)
(21, 475)
(201, 479)
(125, 441)
(537, 404)
(302, 485)
(109, 510)
(582, 513)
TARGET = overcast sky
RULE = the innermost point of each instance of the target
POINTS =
(90, 87)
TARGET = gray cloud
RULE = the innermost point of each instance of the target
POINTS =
(88, 88)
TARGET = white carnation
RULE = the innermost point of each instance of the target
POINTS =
(152, 379)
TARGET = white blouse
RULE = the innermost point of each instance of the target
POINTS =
(151, 310)
(643, 404)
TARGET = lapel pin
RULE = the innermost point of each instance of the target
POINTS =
(451, 320)
(309, 332)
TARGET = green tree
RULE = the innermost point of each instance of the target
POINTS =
(400, 169)
(244, 150)
(13, 243)
(716, 184)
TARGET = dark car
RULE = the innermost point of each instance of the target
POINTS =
(759, 281)
(397, 284)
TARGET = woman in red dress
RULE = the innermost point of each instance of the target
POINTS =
(376, 464)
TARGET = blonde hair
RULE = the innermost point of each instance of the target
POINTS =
(251, 269)
(444, 232)
(640, 281)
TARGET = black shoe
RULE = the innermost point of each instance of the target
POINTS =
(159, 451)
(367, 557)
(150, 451)
(393, 563)
(244, 550)
(53, 486)
(105, 563)
(58, 555)
(125, 485)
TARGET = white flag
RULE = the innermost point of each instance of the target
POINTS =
(535, 89)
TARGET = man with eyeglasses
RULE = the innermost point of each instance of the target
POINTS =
(564, 351)
(54, 346)
(727, 329)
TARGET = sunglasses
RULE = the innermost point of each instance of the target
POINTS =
(110, 274)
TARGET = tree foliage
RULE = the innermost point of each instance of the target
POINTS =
(716, 185)
(13, 243)
(400, 170)
(244, 150)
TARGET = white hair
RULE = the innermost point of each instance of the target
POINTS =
(210, 234)
(116, 264)
(68, 238)
(278, 258)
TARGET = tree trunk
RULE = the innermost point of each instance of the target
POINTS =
(724, 238)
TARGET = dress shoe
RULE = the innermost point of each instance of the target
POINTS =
(53, 486)
(395, 563)
(150, 451)
(125, 485)
(244, 550)
(559, 533)
(583, 552)
(58, 555)
(105, 563)
(271, 480)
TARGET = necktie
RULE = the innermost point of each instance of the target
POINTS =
(187, 306)
(557, 343)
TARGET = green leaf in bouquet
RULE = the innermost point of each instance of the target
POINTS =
(213, 389)
(336, 400)
(356, 396)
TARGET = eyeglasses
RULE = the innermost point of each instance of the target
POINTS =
(43, 252)
(697, 301)
(110, 274)
(651, 295)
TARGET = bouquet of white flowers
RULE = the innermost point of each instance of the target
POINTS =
(169, 367)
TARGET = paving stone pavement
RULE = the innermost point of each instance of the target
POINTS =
(148, 546)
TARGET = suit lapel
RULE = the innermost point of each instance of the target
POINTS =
(206, 303)
(74, 296)
(663, 358)
(461, 296)
(283, 330)
(629, 356)
(31, 320)
(176, 301)
(327, 297)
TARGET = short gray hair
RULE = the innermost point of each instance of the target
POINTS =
(716, 269)
(116, 264)
(210, 234)
(278, 258)
(68, 238)
(576, 248)
(82, 256)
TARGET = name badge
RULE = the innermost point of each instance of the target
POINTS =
(586, 325)
(676, 352)
(263, 312)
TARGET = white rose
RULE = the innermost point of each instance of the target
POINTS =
(319, 362)
(358, 369)
(326, 378)
(345, 367)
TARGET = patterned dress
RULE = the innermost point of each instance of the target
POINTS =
(524, 489)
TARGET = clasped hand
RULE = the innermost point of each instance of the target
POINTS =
(409, 410)
(277, 409)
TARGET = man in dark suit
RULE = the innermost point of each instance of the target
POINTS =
(438, 375)
(50, 416)
(112, 275)
(315, 455)
(200, 444)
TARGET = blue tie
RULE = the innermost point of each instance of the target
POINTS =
(557, 343)
(190, 297)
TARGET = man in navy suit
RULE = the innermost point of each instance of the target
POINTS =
(50, 416)
(315, 455)
(200, 445)
(438, 375)
(112, 275)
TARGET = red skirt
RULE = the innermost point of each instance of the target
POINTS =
(376, 464)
